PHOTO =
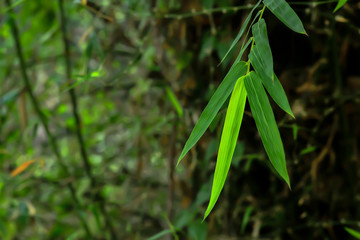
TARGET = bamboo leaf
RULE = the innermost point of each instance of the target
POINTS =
(238, 58)
(266, 124)
(282, 10)
(272, 85)
(228, 140)
(241, 32)
(21, 168)
(353, 233)
(214, 105)
(175, 102)
(262, 46)
(340, 4)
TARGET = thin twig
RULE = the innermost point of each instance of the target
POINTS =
(40, 114)
(79, 134)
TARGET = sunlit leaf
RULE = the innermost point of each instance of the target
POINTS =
(282, 10)
(266, 124)
(353, 233)
(228, 140)
(214, 105)
(273, 86)
(340, 4)
(241, 32)
(263, 47)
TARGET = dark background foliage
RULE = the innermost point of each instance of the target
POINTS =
(127, 58)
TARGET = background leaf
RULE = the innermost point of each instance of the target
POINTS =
(228, 140)
(214, 105)
(266, 124)
(175, 102)
(282, 10)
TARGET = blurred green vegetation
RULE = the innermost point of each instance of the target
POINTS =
(142, 71)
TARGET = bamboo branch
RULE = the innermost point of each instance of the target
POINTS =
(40, 113)
(78, 130)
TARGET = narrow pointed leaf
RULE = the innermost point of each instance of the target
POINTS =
(238, 58)
(340, 4)
(21, 168)
(214, 105)
(241, 32)
(266, 124)
(263, 46)
(282, 10)
(353, 233)
(273, 86)
(175, 102)
(228, 140)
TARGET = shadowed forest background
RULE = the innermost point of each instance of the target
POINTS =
(98, 98)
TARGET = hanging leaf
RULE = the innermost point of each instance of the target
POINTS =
(340, 4)
(266, 124)
(282, 10)
(272, 85)
(228, 140)
(263, 46)
(214, 105)
(241, 32)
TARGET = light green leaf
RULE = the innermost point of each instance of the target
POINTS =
(241, 32)
(273, 86)
(353, 233)
(175, 102)
(340, 4)
(214, 105)
(266, 124)
(282, 10)
(228, 140)
(263, 46)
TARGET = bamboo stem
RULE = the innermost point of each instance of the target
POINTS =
(78, 130)
(40, 113)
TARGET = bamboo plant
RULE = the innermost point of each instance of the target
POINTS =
(246, 80)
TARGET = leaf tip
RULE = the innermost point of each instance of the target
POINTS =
(291, 114)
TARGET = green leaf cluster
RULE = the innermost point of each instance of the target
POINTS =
(242, 83)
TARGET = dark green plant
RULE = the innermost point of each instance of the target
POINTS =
(242, 82)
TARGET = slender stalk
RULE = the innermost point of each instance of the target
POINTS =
(40, 113)
(78, 130)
